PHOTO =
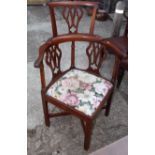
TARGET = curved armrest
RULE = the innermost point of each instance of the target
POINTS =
(41, 53)
(64, 38)
(117, 48)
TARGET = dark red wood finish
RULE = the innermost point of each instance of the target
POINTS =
(50, 56)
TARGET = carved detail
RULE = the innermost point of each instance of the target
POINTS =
(72, 16)
(52, 58)
(95, 53)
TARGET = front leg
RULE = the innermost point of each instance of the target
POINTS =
(45, 109)
(88, 132)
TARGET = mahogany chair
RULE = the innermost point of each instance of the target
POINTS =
(79, 92)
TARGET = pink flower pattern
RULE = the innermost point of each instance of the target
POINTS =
(71, 99)
(78, 89)
(71, 83)
(86, 86)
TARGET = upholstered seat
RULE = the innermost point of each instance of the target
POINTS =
(81, 90)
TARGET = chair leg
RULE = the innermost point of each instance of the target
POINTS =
(45, 109)
(88, 132)
(107, 109)
(120, 76)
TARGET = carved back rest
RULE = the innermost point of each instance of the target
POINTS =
(52, 58)
(95, 53)
(72, 13)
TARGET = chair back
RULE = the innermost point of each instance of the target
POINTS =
(72, 13)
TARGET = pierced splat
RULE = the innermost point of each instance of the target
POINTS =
(52, 58)
(72, 16)
(95, 53)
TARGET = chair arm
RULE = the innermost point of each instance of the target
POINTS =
(42, 49)
(63, 38)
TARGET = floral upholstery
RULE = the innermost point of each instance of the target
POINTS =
(81, 90)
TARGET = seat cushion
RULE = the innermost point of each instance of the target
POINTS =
(80, 90)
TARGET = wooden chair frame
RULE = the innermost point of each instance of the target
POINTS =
(52, 46)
